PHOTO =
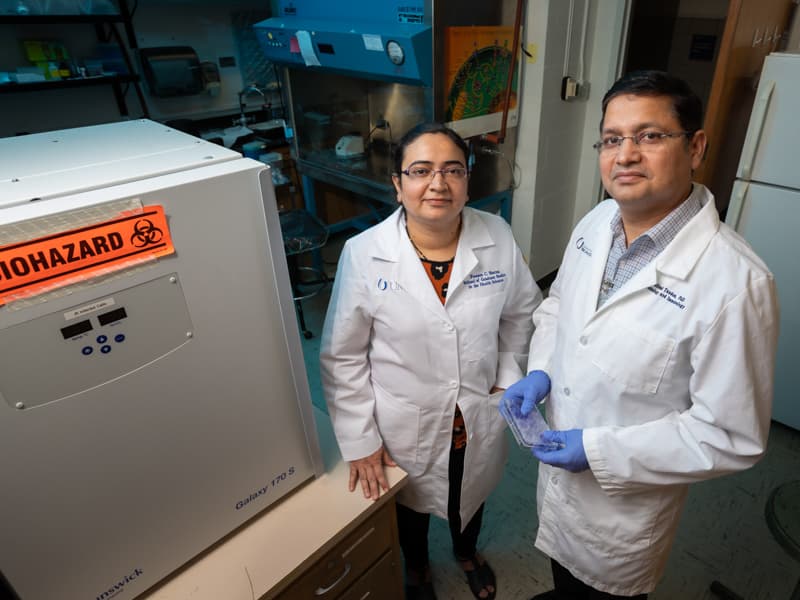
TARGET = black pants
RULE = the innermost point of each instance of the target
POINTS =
(571, 588)
(412, 526)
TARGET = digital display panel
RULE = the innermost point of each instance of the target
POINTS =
(111, 316)
(70, 331)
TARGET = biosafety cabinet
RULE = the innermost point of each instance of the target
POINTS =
(153, 395)
(357, 75)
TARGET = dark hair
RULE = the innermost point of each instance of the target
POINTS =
(687, 106)
(420, 130)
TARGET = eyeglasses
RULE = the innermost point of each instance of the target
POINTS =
(427, 174)
(645, 140)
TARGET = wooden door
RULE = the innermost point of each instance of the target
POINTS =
(753, 29)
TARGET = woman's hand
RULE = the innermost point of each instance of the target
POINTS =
(369, 470)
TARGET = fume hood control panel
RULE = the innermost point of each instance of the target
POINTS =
(398, 52)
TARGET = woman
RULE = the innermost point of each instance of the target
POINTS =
(429, 320)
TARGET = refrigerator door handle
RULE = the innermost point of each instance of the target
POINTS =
(754, 131)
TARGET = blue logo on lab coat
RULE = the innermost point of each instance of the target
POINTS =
(385, 284)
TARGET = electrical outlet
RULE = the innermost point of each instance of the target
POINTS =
(569, 88)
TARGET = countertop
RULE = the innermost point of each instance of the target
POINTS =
(261, 126)
(271, 550)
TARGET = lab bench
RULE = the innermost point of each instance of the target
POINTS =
(321, 541)
(261, 129)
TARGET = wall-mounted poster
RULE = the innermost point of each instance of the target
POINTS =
(477, 63)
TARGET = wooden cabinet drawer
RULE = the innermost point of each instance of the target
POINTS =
(381, 582)
(346, 562)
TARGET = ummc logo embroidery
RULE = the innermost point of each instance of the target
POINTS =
(385, 284)
(580, 244)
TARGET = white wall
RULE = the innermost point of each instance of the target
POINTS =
(559, 178)
(606, 44)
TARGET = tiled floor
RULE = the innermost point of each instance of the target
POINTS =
(723, 534)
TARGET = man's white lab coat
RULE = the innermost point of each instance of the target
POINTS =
(671, 382)
(395, 361)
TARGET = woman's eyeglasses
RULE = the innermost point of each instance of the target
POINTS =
(427, 174)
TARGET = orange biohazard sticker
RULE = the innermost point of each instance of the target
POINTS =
(41, 264)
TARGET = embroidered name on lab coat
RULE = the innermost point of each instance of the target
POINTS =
(476, 280)
(667, 294)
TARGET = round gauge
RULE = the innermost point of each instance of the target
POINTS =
(395, 52)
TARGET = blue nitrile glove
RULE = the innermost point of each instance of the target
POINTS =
(529, 390)
(571, 457)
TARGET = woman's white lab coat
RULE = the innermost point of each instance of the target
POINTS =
(671, 382)
(395, 361)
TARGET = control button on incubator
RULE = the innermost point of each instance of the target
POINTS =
(105, 349)
(120, 337)
(87, 350)
(102, 339)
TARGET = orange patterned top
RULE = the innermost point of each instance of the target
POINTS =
(439, 274)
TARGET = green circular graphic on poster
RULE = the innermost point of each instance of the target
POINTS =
(480, 84)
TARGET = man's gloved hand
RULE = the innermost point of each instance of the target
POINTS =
(529, 390)
(571, 456)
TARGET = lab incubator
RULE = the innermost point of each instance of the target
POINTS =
(153, 393)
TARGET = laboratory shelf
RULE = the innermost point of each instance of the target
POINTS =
(104, 34)
(51, 84)
(65, 19)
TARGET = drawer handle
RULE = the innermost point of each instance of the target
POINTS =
(320, 591)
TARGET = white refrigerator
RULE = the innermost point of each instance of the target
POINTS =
(765, 210)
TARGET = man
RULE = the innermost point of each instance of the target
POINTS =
(659, 336)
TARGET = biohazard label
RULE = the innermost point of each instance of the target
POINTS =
(44, 263)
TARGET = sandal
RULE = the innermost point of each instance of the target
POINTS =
(480, 577)
(423, 589)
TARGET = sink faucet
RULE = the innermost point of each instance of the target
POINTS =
(250, 90)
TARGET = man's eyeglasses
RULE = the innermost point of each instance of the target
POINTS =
(645, 140)
(427, 174)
